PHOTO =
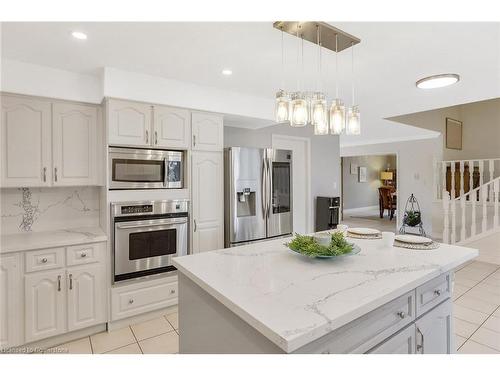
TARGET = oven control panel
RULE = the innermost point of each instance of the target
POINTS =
(137, 209)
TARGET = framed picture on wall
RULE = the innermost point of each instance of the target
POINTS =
(453, 134)
(362, 174)
(354, 168)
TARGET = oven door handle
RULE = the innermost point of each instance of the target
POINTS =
(131, 226)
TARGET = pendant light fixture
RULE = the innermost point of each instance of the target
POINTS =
(353, 117)
(319, 117)
(301, 108)
(337, 110)
(299, 113)
(282, 98)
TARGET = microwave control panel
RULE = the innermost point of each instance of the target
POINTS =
(140, 209)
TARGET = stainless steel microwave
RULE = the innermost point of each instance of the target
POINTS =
(136, 168)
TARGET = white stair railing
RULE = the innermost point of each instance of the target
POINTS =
(468, 225)
(486, 170)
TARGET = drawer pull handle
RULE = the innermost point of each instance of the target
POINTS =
(59, 283)
(402, 314)
(83, 255)
(70, 281)
(44, 260)
(437, 292)
(131, 301)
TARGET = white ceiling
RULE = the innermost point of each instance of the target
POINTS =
(390, 58)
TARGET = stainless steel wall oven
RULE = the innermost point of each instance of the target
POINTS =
(146, 236)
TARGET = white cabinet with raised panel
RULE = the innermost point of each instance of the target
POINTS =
(207, 132)
(434, 332)
(129, 123)
(401, 343)
(26, 142)
(45, 304)
(10, 301)
(171, 127)
(207, 200)
(74, 133)
(86, 296)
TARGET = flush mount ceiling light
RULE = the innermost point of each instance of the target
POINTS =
(79, 35)
(301, 107)
(227, 72)
(436, 81)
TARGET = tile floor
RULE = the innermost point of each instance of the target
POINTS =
(370, 219)
(476, 299)
(156, 336)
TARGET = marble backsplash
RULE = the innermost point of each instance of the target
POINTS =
(42, 209)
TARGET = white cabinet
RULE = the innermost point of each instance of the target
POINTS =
(401, 343)
(10, 298)
(86, 297)
(129, 123)
(208, 132)
(74, 144)
(26, 136)
(434, 332)
(45, 304)
(207, 200)
(171, 127)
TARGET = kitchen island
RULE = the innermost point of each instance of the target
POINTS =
(263, 298)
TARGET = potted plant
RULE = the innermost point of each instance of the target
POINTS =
(412, 218)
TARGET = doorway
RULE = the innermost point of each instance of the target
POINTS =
(369, 191)
(301, 179)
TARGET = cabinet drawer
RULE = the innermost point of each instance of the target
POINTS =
(433, 293)
(129, 301)
(82, 254)
(46, 259)
(367, 331)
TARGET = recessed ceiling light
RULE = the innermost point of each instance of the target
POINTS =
(79, 35)
(439, 80)
(227, 72)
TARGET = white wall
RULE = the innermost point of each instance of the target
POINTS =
(364, 194)
(29, 79)
(415, 171)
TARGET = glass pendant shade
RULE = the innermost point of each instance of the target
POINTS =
(299, 115)
(337, 117)
(282, 106)
(354, 121)
(319, 114)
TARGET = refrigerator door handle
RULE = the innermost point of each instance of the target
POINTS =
(268, 189)
(263, 187)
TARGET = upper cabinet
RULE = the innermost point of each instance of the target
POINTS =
(207, 131)
(171, 127)
(26, 142)
(48, 143)
(74, 144)
(129, 123)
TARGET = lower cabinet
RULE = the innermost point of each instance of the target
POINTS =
(434, 334)
(401, 343)
(86, 296)
(45, 305)
(10, 301)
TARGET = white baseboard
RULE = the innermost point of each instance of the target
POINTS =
(359, 209)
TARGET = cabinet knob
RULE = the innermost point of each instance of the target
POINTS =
(402, 314)
(83, 255)
(437, 292)
(172, 291)
(44, 260)
(131, 301)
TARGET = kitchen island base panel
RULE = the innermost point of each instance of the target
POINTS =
(223, 332)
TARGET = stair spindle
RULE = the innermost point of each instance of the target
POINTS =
(496, 198)
(452, 189)
(462, 171)
(453, 220)
(462, 208)
(484, 196)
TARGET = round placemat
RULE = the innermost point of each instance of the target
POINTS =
(432, 246)
(365, 236)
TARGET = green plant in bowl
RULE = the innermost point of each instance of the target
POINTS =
(309, 246)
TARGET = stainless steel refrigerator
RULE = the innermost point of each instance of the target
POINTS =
(258, 194)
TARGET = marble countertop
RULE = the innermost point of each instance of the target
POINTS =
(294, 300)
(39, 240)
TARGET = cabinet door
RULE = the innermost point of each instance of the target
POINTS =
(86, 306)
(172, 127)
(45, 305)
(10, 298)
(207, 198)
(74, 144)
(207, 132)
(129, 123)
(401, 343)
(434, 330)
(26, 149)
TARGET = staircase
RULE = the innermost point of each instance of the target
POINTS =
(470, 194)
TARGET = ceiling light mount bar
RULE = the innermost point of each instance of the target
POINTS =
(309, 31)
